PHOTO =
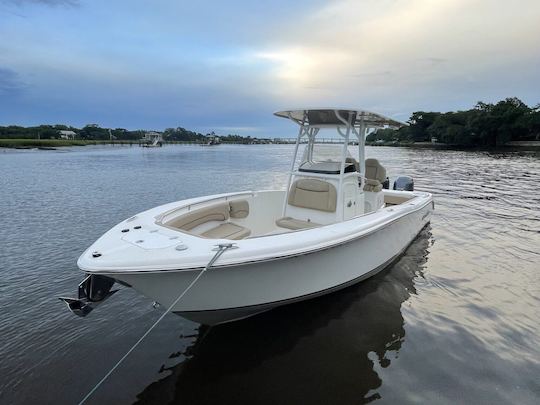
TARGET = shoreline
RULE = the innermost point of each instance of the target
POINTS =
(52, 144)
(511, 146)
(58, 143)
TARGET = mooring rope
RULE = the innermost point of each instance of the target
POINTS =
(221, 249)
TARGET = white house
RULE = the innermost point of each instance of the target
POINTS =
(67, 134)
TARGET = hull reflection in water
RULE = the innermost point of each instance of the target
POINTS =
(318, 352)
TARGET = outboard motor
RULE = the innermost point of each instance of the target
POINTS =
(93, 290)
(386, 184)
(404, 183)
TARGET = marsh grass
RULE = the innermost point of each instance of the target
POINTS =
(37, 143)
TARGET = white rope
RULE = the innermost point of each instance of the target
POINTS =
(221, 249)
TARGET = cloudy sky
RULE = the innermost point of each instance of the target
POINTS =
(227, 65)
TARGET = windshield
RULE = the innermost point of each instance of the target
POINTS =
(326, 159)
(324, 153)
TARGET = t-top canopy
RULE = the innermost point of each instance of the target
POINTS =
(327, 116)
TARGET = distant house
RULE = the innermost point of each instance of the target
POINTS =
(67, 134)
(434, 140)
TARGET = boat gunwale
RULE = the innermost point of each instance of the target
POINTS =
(362, 234)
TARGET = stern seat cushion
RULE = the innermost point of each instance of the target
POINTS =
(295, 224)
(395, 200)
(227, 231)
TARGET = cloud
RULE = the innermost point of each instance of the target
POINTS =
(387, 47)
(436, 61)
(384, 73)
(10, 83)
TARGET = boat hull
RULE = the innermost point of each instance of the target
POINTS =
(228, 293)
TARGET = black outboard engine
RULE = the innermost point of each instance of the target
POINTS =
(93, 290)
(386, 184)
(404, 183)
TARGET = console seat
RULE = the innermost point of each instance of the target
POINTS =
(312, 194)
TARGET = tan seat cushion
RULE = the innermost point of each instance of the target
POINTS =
(375, 171)
(375, 175)
(239, 209)
(314, 194)
(295, 224)
(227, 231)
(186, 222)
(395, 200)
(373, 185)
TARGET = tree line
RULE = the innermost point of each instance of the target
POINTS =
(95, 132)
(484, 125)
(89, 132)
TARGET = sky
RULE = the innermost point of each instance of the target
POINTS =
(226, 66)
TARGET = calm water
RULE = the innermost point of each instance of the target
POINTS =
(455, 320)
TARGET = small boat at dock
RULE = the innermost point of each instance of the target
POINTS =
(212, 140)
(152, 140)
(225, 257)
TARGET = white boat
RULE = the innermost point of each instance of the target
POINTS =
(230, 256)
(152, 140)
(212, 140)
